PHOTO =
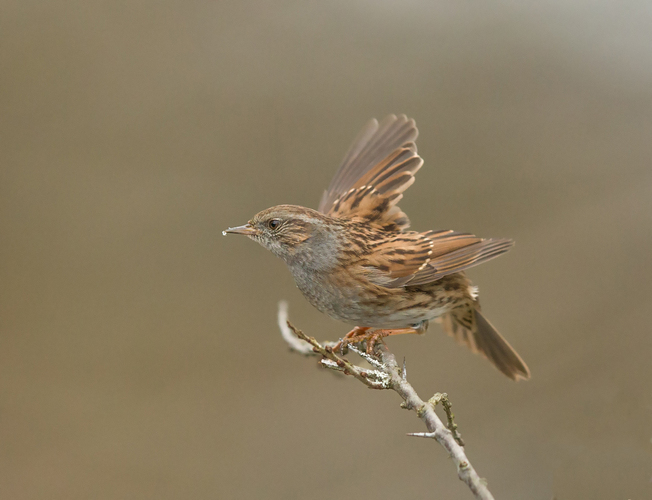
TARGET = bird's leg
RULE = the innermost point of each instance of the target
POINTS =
(377, 335)
(353, 337)
(362, 333)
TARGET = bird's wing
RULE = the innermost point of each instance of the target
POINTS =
(378, 167)
(411, 258)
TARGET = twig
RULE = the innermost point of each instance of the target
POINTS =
(387, 374)
(448, 408)
(288, 335)
(375, 379)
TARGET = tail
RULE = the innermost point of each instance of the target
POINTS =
(468, 326)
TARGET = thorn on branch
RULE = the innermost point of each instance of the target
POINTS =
(422, 434)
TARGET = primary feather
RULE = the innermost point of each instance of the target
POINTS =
(379, 166)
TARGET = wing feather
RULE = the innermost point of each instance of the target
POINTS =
(378, 167)
(411, 258)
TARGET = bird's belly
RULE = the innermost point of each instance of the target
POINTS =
(360, 306)
(400, 319)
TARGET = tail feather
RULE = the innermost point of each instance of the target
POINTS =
(469, 327)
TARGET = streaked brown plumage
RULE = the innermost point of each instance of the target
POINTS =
(355, 260)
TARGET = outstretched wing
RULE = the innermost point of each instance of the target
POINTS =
(411, 258)
(379, 166)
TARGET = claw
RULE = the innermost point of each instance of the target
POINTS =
(372, 339)
(353, 337)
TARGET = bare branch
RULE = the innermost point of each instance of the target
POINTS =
(387, 374)
(371, 378)
(291, 339)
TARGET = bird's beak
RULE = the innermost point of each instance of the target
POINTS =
(247, 230)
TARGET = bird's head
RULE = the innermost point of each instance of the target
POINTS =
(293, 233)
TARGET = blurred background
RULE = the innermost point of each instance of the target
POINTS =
(139, 352)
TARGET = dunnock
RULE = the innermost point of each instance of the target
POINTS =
(355, 260)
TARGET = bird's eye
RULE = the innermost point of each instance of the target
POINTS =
(274, 223)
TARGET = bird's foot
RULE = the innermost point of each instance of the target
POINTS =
(362, 334)
(353, 337)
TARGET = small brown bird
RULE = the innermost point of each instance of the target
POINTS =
(355, 260)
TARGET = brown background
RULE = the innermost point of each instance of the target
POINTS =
(139, 354)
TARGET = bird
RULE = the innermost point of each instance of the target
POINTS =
(355, 259)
